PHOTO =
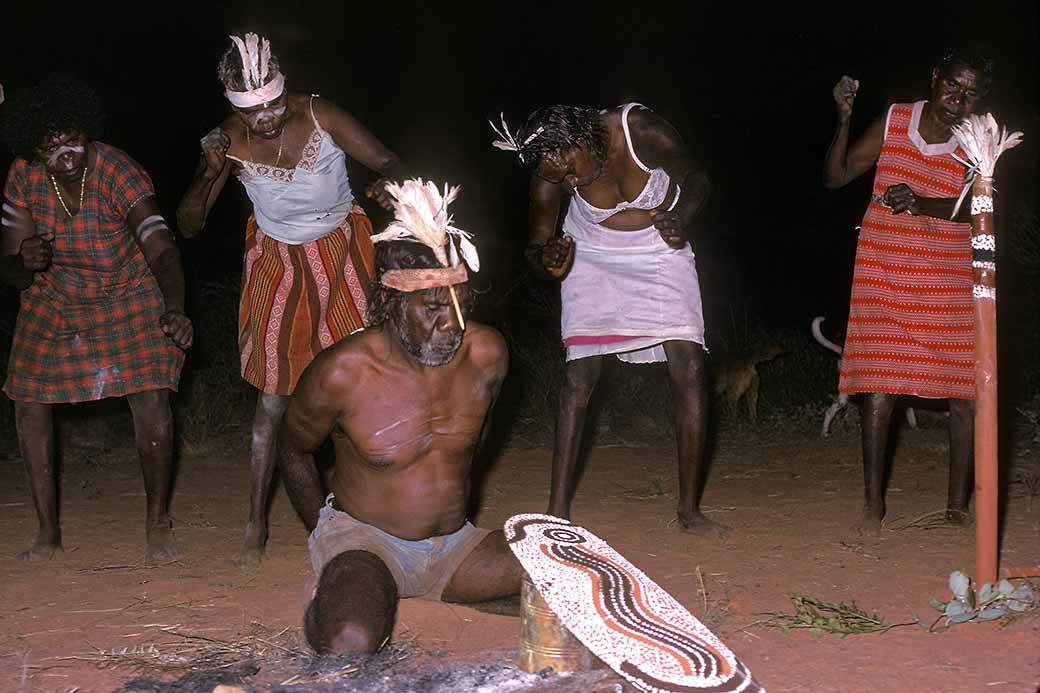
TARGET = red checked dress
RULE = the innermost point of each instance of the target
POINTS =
(88, 326)
(911, 328)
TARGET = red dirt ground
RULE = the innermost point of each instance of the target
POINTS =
(788, 497)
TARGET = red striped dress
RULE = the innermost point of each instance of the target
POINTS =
(911, 329)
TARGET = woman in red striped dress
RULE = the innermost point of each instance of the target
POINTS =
(910, 328)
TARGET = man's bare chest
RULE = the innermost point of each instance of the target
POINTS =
(399, 425)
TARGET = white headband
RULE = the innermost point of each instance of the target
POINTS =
(265, 94)
(256, 59)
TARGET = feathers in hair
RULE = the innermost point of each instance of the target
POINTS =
(256, 56)
(507, 142)
(421, 216)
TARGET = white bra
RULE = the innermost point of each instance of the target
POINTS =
(653, 192)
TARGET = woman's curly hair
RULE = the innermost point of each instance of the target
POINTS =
(563, 128)
(383, 300)
(58, 104)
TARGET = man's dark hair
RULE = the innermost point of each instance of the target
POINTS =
(401, 255)
(58, 104)
(229, 69)
(563, 128)
(976, 56)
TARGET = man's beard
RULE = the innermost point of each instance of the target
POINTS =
(425, 353)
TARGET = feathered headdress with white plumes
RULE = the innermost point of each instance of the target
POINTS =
(256, 58)
(507, 142)
(261, 84)
(983, 141)
(421, 216)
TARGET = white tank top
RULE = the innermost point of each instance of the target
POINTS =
(653, 192)
(302, 204)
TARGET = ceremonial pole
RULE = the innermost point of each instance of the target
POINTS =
(983, 143)
(984, 291)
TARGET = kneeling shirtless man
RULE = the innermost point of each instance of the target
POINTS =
(407, 401)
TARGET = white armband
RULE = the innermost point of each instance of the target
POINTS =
(149, 226)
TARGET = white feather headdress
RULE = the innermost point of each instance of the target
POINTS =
(263, 83)
(421, 216)
(507, 142)
(983, 141)
(256, 58)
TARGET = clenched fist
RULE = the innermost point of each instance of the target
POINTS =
(214, 148)
(36, 252)
(557, 256)
(845, 95)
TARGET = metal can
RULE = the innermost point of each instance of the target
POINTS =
(544, 641)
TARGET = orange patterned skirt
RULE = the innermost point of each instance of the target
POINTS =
(300, 299)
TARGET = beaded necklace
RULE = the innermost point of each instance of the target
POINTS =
(82, 188)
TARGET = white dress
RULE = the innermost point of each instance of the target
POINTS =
(629, 286)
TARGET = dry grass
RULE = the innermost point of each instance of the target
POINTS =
(267, 657)
(714, 610)
(181, 652)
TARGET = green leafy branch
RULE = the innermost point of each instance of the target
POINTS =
(820, 617)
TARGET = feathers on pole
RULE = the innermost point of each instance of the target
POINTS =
(983, 141)
(421, 216)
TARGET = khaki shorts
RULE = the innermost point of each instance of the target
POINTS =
(420, 568)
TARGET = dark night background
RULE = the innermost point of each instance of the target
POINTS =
(750, 92)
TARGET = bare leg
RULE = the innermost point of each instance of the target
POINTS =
(876, 418)
(354, 606)
(269, 411)
(687, 374)
(153, 437)
(490, 571)
(580, 378)
(962, 460)
(35, 424)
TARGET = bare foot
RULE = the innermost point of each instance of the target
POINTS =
(160, 546)
(250, 559)
(869, 524)
(252, 548)
(40, 551)
(697, 523)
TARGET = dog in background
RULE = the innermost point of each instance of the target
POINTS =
(843, 399)
(736, 378)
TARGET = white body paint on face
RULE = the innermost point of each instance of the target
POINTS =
(266, 114)
(64, 149)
